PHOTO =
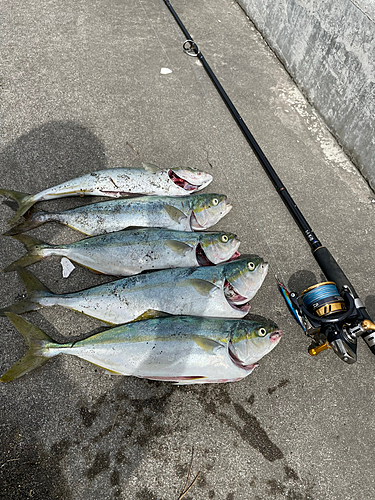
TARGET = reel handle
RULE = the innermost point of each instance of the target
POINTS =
(333, 272)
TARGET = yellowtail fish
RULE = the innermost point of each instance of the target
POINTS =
(179, 349)
(222, 291)
(186, 213)
(117, 183)
(132, 251)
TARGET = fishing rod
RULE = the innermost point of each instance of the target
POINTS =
(330, 313)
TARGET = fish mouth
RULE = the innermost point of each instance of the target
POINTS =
(235, 299)
(182, 183)
(276, 336)
(234, 256)
(227, 208)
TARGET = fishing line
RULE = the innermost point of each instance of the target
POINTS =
(263, 241)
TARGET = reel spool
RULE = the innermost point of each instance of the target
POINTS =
(323, 299)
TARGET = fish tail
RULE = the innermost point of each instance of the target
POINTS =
(24, 200)
(35, 356)
(31, 220)
(35, 291)
(34, 254)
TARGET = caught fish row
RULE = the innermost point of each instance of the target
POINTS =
(182, 322)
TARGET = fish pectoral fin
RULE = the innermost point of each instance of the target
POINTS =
(208, 345)
(203, 287)
(150, 313)
(178, 246)
(174, 213)
(149, 167)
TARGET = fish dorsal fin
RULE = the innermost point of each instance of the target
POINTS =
(174, 213)
(178, 247)
(208, 345)
(203, 287)
(149, 167)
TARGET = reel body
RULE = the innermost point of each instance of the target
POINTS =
(332, 319)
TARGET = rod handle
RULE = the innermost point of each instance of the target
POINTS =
(331, 269)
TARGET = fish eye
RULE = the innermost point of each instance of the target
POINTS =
(262, 332)
(215, 202)
(251, 266)
(224, 238)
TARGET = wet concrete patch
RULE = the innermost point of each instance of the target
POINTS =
(101, 463)
(253, 433)
(27, 471)
(282, 383)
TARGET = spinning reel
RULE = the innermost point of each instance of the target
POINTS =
(331, 319)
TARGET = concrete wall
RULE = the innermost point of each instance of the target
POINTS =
(328, 47)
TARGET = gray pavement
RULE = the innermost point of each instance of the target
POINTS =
(82, 90)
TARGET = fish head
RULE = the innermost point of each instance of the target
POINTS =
(243, 278)
(253, 340)
(207, 210)
(219, 247)
(189, 178)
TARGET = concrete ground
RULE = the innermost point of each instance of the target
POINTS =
(82, 90)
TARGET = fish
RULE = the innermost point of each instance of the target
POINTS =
(179, 349)
(186, 213)
(117, 183)
(224, 290)
(129, 252)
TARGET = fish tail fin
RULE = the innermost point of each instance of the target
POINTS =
(34, 254)
(29, 221)
(24, 200)
(35, 290)
(34, 357)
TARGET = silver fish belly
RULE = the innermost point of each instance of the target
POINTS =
(128, 252)
(117, 182)
(167, 212)
(116, 215)
(184, 350)
(201, 291)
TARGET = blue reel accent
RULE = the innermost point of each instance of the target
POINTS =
(293, 309)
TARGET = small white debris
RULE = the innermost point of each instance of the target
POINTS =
(67, 267)
(198, 63)
(165, 71)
